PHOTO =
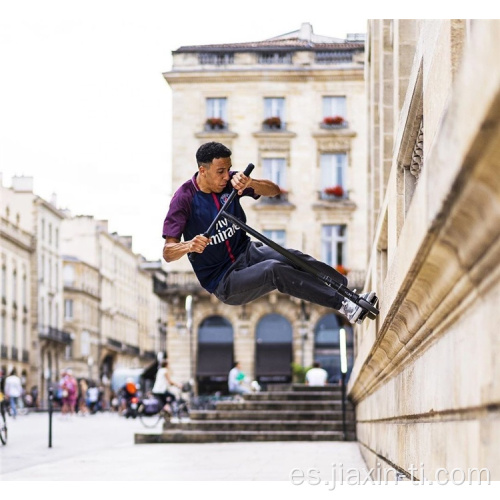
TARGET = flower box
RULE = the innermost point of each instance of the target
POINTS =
(337, 191)
(273, 122)
(214, 123)
(333, 120)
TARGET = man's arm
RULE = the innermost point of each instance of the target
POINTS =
(261, 187)
(174, 248)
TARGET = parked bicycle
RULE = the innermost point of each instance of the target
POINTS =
(151, 409)
(3, 420)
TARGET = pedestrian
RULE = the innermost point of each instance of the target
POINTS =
(69, 393)
(13, 391)
(236, 379)
(227, 264)
(93, 398)
(83, 408)
(162, 388)
(34, 396)
(316, 376)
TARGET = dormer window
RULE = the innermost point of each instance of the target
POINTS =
(275, 58)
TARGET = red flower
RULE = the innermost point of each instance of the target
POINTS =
(341, 269)
(335, 191)
(215, 122)
(273, 122)
(333, 120)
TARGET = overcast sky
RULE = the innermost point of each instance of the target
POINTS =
(85, 110)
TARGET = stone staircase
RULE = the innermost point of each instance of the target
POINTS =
(283, 413)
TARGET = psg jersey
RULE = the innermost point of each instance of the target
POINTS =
(191, 212)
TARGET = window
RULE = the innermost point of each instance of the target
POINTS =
(333, 56)
(333, 171)
(216, 107)
(275, 170)
(276, 235)
(14, 333)
(85, 343)
(333, 244)
(3, 327)
(275, 58)
(274, 112)
(216, 58)
(25, 336)
(14, 287)
(25, 291)
(69, 275)
(334, 106)
(4, 284)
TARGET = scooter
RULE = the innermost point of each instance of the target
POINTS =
(369, 307)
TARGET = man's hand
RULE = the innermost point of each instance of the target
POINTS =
(198, 244)
(240, 182)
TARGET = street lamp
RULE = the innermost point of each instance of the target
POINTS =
(189, 325)
(343, 369)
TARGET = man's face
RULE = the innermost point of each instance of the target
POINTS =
(216, 177)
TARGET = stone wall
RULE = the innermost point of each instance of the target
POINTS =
(425, 380)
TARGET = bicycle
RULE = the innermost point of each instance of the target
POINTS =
(3, 420)
(151, 410)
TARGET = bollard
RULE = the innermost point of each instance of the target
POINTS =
(51, 398)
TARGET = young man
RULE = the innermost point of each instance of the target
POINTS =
(316, 375)
(227, 264)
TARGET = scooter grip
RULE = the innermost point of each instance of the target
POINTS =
(249, 169)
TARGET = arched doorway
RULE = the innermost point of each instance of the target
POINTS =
(215, 354)
(273, 350)
(327, 346)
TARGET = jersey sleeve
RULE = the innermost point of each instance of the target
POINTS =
(178, 214)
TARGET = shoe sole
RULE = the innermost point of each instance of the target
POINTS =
(372, 299)
(358, 316)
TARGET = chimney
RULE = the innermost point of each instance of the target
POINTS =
(22, 184)
(306, 31)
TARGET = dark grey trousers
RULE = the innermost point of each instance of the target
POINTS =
(260, 270)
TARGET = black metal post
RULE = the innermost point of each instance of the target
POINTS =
(51, 398)
(343, 407)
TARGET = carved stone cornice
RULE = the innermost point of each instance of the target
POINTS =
(216, 135)
(417, 158)
(276, 137)
(334, 143)
(199, 76)
(455, 264)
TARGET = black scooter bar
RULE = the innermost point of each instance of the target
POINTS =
(305, 266)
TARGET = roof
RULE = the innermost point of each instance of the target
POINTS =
(290, 44)
(303, 39)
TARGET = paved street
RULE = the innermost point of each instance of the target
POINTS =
(101, 447)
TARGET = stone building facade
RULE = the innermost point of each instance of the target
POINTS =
(72, 295)
(294, 106)
(426, 379)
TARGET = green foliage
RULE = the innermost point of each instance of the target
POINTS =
(299, 372)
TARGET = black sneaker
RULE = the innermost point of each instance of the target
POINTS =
(352, 311)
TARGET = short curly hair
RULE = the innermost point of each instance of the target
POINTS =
(209, 151)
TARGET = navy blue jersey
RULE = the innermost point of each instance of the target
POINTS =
(191, 212)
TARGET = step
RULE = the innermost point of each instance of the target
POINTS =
(260, 425)
(303, 387)
(307, 415)
(281, 405)
(179, 436)
(294, 396)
